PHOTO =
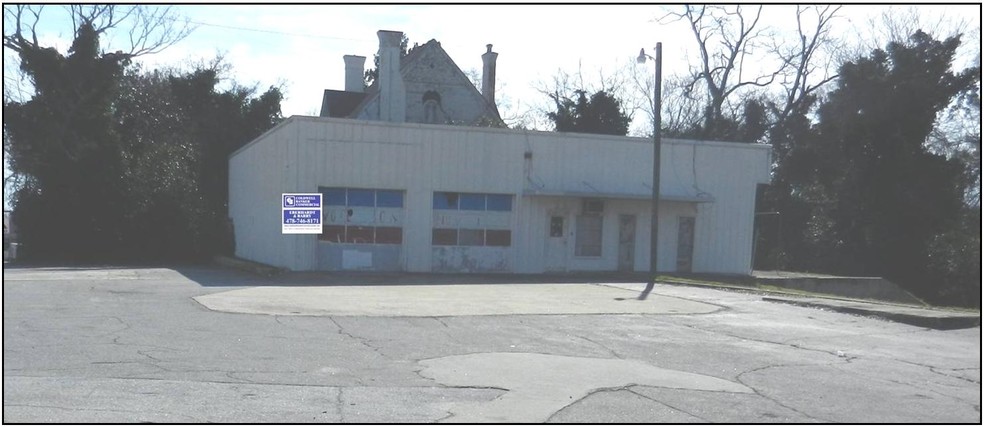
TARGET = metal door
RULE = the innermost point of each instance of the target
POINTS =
(556, 245)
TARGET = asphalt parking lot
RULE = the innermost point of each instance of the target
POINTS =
(190, 345)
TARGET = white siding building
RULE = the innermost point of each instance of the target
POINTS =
(437, 198)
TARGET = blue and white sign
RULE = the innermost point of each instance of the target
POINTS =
(298, 200)
(301, 213)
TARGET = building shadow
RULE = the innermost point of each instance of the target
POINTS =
(212, 276)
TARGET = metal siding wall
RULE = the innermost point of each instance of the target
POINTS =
(726, 171)
(306, 246)
(528, 236)
(723, 236)
(420, 159)
(254, 181)
(288, 254)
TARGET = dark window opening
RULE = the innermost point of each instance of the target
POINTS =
(444, 237)
(361, 198)
(355, 234)
(333, 233)
(556, 226)
(389, 199)
(333, 196)
(468, 237)
(588, 237)
(472, 202)
(499, 202)
(498, 238)
(389, 235)
(444, 200)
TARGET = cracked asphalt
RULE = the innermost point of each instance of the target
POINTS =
(127, 345)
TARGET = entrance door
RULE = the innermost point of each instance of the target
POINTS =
(685, 245)
(626, 242)
(556, 246)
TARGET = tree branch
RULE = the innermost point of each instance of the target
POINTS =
(151, 29)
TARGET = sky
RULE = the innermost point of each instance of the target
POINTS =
(300, 47)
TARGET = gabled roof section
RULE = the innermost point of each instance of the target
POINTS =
(339, 103)
(433, 48)
(407, 64)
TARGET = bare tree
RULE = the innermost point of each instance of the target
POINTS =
(807, 72)
(618, 82)
(727, 37)
(897, 24)
(148, 29)
(682, 106)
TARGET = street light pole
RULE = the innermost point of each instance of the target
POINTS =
(657, 146)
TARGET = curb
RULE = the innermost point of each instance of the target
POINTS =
(926, 318)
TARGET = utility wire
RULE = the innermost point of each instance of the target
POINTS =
(231, 27)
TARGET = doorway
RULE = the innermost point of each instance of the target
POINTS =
(556, 245)
(626, 242)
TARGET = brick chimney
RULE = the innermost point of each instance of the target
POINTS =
(354, 73)
(488, 74)
(392, 94)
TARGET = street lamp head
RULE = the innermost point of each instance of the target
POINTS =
(642, 56)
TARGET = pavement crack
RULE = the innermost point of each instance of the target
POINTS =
(115, 331)
(341, 406)
(446, 329)
(587, 395)
(441, 321)
(970, 380)
(419, 373)
(449, 415)
(613, 352)
(923, 388)
(934, 370)
(773, 400)
(361, 340)
(231, 375)
(144, 354)
(764, 341)
(630, 390)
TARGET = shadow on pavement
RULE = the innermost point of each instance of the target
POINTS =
(212, 276)
(225, 277)
(79, 267)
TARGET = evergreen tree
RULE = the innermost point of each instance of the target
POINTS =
(878, 197)
(601, 114)
(64, 142)
(121, 165)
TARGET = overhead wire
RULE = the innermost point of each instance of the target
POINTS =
(258, 30)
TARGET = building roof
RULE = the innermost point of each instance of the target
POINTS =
(339, 103)
(342, 104)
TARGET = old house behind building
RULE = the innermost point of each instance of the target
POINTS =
(405, 191)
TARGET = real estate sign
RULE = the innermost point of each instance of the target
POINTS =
(301, 213)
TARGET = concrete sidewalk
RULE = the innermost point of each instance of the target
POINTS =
(446, 300)
(426, 294)
(916, 316)
(911, 314)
